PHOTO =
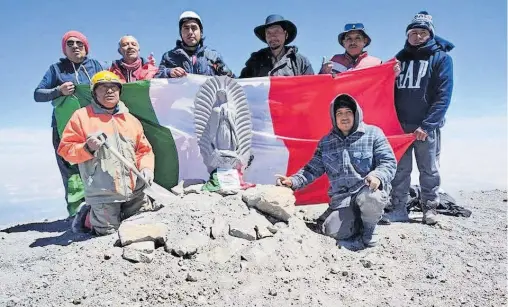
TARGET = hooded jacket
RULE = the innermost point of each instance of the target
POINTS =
(291, 64)
(347, 160)
(423, 89)
(203, 61)
(105, 178)
(65, 71)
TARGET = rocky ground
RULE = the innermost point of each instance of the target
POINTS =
(256, 249)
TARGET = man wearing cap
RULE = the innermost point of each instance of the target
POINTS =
(354, 39)
(360, 164)
(278, 59)
(60, 80)
(191, 56)
(112, 191)
(132, 67)
(422, 95)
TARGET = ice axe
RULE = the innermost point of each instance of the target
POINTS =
(156, 192)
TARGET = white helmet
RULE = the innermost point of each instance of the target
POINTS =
(188, 15)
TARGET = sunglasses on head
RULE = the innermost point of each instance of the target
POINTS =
(71, 43)
(353, 26)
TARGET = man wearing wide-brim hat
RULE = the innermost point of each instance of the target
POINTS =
(354, 39)
(278, 59)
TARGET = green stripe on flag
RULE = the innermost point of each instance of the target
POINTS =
(136, 97)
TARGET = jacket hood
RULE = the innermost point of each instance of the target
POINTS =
(432, 46)
(358, 122)
(68, 62)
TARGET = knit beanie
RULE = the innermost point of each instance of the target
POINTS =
(76, 34)
(422, 20)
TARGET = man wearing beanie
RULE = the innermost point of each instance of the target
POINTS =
(422, 96)
(279, 58)
(360, 164)
(191, 56)
(60, 80)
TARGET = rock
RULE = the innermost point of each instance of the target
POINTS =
(243, 229)
(191, 277)
(178, 190)
(193, 189)
(403, 236)
(366, 263)
(146, 247)
(107, 256)
(189, 245)
(431, 275)
(76, 301)
(272, 292)
(218, 229)
(263, 232)
(131, 233)
(345, 273)
(136, 256)
(278, 202)
(273, 229)
(251, 227)
(335, 270)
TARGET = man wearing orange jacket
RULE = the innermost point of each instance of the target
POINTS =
(112, 191)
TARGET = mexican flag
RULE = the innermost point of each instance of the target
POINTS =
(289, 115)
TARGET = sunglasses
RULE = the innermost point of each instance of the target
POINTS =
(70, 43)
(353, 26)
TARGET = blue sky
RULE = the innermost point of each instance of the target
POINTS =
(32, 32)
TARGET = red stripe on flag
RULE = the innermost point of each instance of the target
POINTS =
(300, 110)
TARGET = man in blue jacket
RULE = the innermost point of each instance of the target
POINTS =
(360, 164)
(422, 95)
(191, 56)
(60, 80)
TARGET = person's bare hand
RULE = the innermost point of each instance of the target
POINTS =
(284, 181)
(67, 88)
(420, 134)
(372, 182)
(397, 68)
(327, 66)
(177, 72)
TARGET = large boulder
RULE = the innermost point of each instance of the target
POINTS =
(278, 202)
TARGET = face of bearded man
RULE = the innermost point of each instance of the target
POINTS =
(275, 36)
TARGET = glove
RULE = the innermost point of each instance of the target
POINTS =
(147, 175)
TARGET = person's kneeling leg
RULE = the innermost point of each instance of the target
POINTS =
(341, 225)
(140, 202)
(105, 218)
(371, 204)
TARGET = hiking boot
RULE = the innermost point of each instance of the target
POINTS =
(78, 224)
(397, 215)
(368, 236)
(353, 244)
(430, 212)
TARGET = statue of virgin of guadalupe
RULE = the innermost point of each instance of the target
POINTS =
(223, 125)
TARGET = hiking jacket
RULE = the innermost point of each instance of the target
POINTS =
(344, 62)
(61, 72)
(347, 160)
(105, 178)
(423, 89)
(145, 72)
(291, 64)
(203, 61)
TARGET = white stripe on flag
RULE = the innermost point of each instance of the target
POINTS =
(173, 102)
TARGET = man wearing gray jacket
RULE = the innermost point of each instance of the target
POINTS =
(278, 59)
